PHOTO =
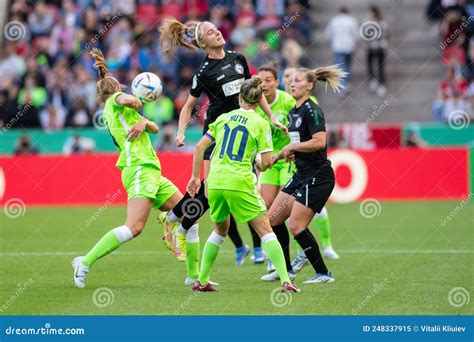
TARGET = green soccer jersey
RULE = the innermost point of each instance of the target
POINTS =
(119, 120)
(280, 107)
(239, 136)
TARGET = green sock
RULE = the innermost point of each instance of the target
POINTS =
(275, 254)
(322, 224)
(209, 256)
(107, 244)
(192, 259)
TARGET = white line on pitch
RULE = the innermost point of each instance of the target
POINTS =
(342, 251)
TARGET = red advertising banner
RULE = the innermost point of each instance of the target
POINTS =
(393, 174)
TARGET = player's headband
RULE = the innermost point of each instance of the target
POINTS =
(196, 34)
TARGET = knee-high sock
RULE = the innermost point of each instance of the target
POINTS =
(192, 252)
(257, 242)
(284, 239)
(107, 244)
(194, 210)
(234, 233)
(311, 249)
(322, 224)
(209, 256)
(275, 254)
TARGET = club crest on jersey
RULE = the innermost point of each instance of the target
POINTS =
(298, 122)
(239, 68)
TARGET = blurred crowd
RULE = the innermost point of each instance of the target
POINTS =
(455, 98)
(47, 77)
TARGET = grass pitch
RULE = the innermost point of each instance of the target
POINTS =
(409, 259)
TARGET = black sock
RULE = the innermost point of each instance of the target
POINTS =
(284, 239)
(234, 233)
(255, 238)
(311, 249)
(193, 210)
(178, 208)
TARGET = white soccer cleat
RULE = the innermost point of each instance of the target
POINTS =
(270, 267)
(80, 272)
(320, 278)
(189, 282)
(299, 262)
(274, 276)
(330, 253)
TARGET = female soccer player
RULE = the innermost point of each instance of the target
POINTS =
(141, 170)
(310, 187)
(239, 135)
(219, 77)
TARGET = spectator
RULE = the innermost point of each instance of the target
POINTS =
(450, 92)
(24, 146)
(343, 32)
(413, 140)
(166, 141)
(78, 144)
(376, 52)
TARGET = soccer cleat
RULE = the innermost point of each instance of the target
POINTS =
(270, 267)
(167, 229)
(188, 282)
(321, 278)
(179, 245)
(258, 257)
(198, 287)
(241, 253)
(330, 253)
(274, 276)
(80, 272)
(299, 262)
(288, 287)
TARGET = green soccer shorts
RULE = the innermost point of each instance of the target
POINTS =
(244, 205)
(279, 174)
(147, 182)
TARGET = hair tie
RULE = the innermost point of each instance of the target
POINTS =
(196, 34)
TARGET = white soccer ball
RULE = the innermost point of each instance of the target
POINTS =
(146, 87)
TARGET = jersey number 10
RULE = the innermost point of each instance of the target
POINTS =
(229, 140)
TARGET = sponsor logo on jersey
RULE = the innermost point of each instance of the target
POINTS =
(233, 87)
(298, 122)
(220, 77)
(239, 68)
(226, 67)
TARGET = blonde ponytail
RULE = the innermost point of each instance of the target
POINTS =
(179, 34)
(330, 75)
(107, 84)
(251, 90)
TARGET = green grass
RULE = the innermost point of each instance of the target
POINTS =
(403, 261)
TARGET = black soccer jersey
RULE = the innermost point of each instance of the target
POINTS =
(220, 80)
(304, 122)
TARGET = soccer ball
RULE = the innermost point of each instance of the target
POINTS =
(146, 87)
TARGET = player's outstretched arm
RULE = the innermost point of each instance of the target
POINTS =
(184, 117)
(263, 103)
(128, 101)
(195, 182)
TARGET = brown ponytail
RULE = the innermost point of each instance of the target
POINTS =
(107, 84)
(330, 75)
(251, 91)
(179, 34)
